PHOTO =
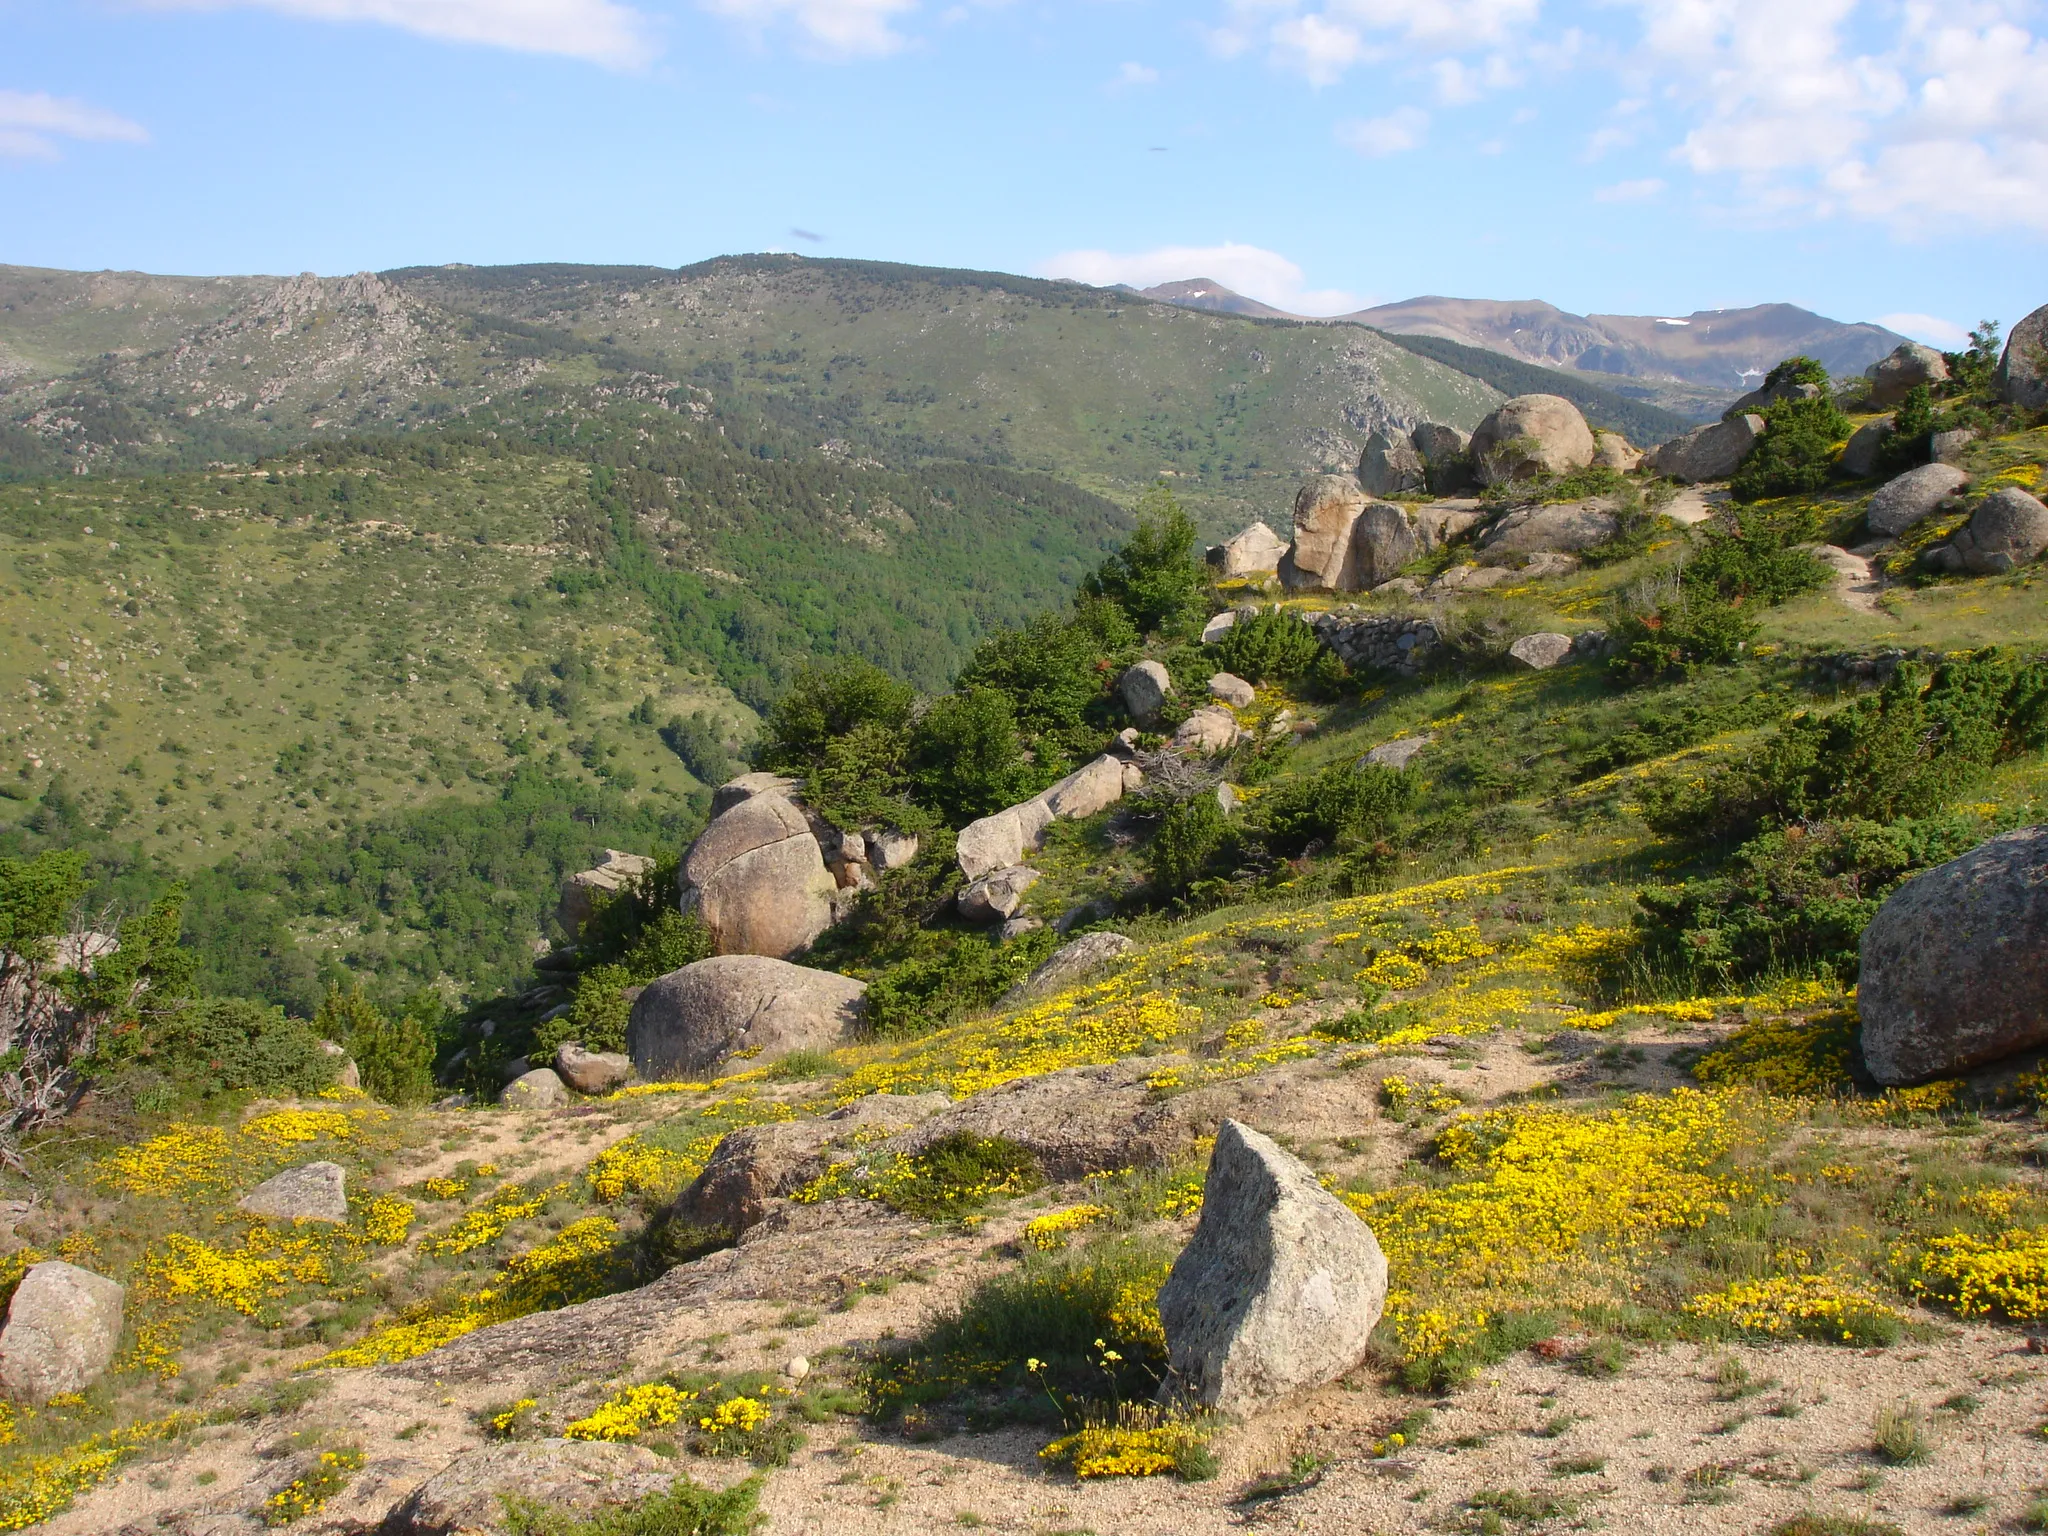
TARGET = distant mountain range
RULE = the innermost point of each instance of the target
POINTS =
(1717, 349)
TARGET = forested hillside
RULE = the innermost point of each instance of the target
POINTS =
(905, 364)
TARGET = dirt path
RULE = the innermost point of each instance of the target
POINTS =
(1857, 582)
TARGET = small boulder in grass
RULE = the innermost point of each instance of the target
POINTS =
(1280, 1288)
(309, 1192)
(538, 1089)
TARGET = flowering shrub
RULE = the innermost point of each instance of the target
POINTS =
(504, 1424)
(308, 1495)
(487, 1223)
(2002, 1276)
(1141, 1441)
(1799, 1059)
(656, 1404)
(631, 1167)
(1542, 1188)
(1829, 1306)
(33, 1490)
(445, 1188)
(1054, 1228)
(291, 1127)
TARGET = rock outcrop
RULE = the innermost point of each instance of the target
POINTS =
(1531, 435)
(757, 876)
(1280, 1287)
(2008, 529)
(690, 1020)
(62, 1326)
(1206, 732)
(1386, 535)
(591, 1071)
(1395, 754)
(1912, 498)
(748, 785)
(581, 891)
(1859, 457)
(758, 1164)
(2023, 370)
(1254, 551)
(309, 1192)
(1947, 447)
(1712, 452)
(1910, 365)
(1951, 974)
(1069, 966)
(1541, 652)
(1390, 464)
(1319, 559)
(1144, 688)
(1000, 841)
(1613, 451)
(1074, 1122)
(1439, 444)
(577, 1477)
(1553, 526)
(1232, 690)
(996, 895)
(1390, 643)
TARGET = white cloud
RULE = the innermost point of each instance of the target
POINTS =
(600, 31)
(1919, 117)
(1319, 48)
(1378, 137)
(1929, 328)
(1323, 42)
(1132, 76)
(839, 29)
(1629, 191)
(32, 122)
(1247, 269)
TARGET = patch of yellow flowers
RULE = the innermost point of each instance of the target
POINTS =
(654, 1404)
(573, 1266)
(308, 1495)
(2001, 1276)
(1052, 1230)
(1827, 1305)
(1542, 1188)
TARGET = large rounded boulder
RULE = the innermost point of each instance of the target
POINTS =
(687, 1022)
(1912, 498)
(2008, 529)
(1952, 969)
(758, 878)
(1319, 559)
(1531, 435)
(62, 1326)
(2023, 371)
(1909, 366)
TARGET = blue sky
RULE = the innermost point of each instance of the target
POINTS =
(1873, 161)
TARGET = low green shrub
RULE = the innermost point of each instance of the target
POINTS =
(1909, 442)
(1041, 1343)
(1342, 807)
(224, 1044)
(1795, 899)
(1797, 452)
(685, 1508)
(1191, 835)
(948, 973)
(1904, 751)
(394, 1057)
(1271, 647)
